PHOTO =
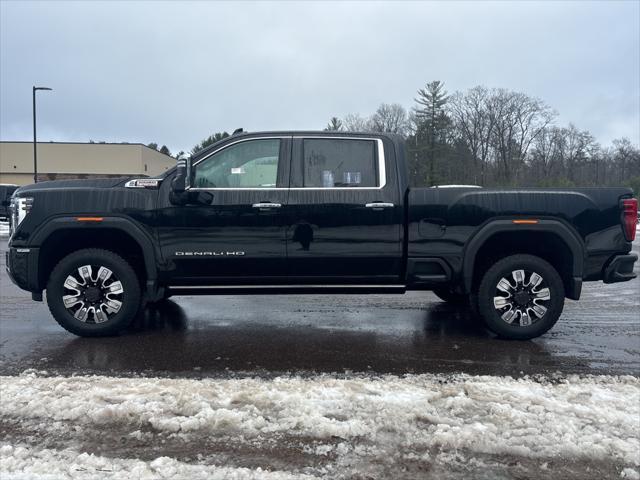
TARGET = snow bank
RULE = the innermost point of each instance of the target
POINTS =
(20, 463)
(595, 417)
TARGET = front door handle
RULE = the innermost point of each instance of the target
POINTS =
(379, 205)
(266, 205)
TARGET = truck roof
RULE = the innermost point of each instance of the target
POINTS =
(316, 133)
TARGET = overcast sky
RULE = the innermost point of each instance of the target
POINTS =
(174, 72)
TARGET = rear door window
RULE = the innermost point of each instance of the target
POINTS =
(340, 163)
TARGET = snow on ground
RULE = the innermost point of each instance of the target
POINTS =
(21, 463)
(336, 425)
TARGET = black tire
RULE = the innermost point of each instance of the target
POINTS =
(516, 297)
(452, 297)
(116, 321)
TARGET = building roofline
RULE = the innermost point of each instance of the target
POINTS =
(124, 144)
(75, 143)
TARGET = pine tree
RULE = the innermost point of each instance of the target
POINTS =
(431, 123)
(334, 125)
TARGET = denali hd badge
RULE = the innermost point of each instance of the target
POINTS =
(209, 254)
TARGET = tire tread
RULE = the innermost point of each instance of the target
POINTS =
(485, 301)
(111, 327)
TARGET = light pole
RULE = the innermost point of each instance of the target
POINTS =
(35, 148)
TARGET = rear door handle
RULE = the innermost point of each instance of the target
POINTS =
(266, 205)
(379, 205)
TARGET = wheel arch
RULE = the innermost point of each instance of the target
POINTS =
(550, 239)
(63, 235)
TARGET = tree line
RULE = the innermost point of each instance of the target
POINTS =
(491, 137)
(210, 140)
(496, 137)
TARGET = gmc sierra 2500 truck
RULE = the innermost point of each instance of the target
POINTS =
(292, 212)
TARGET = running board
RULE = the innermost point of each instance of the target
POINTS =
(281, 289)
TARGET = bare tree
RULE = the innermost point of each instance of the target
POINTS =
(544, 153)
(473, 122)
(575, 149)
(517, 120)
(354, 122)
(390, 118)
(626, 158)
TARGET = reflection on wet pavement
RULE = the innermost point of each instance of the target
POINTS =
(270, 335)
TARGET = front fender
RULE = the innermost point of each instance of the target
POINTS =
(125, 225)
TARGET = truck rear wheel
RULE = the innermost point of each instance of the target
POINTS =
(520, 297)
(93, 292)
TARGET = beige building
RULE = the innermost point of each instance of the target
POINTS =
(57, 161)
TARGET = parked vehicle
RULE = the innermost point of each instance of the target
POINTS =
(6, 190)
(291, 212)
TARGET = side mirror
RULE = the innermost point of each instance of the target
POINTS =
(179, 194)
(179, 183)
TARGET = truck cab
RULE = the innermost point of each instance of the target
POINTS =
(287, 209)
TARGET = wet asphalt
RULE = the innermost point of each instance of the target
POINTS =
(223, 336)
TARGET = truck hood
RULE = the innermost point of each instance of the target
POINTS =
(73, 184)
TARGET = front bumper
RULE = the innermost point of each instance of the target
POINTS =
(620, 269)
(22, 267)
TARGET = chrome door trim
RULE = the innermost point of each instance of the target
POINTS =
(382, 173)
(270, 137)
(200, 189)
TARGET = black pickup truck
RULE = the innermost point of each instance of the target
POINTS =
(292, 212)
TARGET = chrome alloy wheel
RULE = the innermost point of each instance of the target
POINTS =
(523, 301)
(92, 300)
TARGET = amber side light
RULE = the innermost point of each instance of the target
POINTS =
(525, 222)
(89, 219)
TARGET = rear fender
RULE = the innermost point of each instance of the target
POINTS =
(556, 227)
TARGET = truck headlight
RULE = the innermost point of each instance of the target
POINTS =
(20, 208)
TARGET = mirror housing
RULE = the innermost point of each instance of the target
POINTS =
(179, 183)
(178, 196)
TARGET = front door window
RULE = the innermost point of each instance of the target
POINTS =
(249, 164)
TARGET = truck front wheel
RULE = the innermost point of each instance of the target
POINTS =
(520, 297)
(93, 292)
